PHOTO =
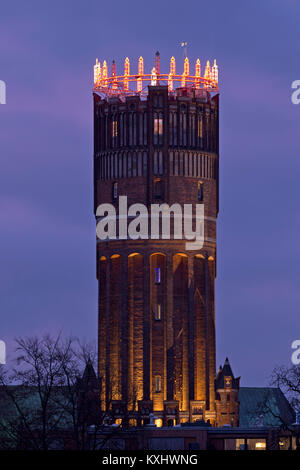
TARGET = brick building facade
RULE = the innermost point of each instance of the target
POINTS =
(156, 298)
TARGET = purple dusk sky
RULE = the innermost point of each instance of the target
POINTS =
(47, 269)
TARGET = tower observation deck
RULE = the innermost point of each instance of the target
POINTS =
(156, 141)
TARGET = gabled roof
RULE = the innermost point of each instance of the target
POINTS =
(89, 378)
(264, 406)
(223, 372)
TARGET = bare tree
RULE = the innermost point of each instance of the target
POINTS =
(44, 396)
(287, 379)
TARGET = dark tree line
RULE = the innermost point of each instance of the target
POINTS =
(49, 395)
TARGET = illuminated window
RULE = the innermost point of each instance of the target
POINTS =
(200, 191)
(115, 190)
(115, 128)
(200, 131)
(158, 312)
(158, 384)
(158, 129)
(157, 276)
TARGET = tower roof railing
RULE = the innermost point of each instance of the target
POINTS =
(128, 84)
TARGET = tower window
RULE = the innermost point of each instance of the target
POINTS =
(157, 276)
(158, 189)
(158, 129)
(200, 191)
(115, 128)
(115, 190)
(228, 382)
(158, 312)
(158, 384)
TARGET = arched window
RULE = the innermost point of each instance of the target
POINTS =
(200, 191)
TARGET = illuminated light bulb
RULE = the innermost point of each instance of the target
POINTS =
(186, 68)
(197, 73)
(153, 77)
(186, 71)
(215, 72)
(207, 74)
(139, 83)
(172, 66)
(126, 73)
(127, 66)
(97, 73)
(141, 66)
(104, 74)
(170, 82)
(113, 74)
(207, 70)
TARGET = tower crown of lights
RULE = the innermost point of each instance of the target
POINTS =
(137, 84)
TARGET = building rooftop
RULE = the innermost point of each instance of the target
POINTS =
(264, 406)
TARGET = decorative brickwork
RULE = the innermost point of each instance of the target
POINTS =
(156, 299)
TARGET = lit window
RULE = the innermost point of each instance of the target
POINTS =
(157, 276)
(200, 127)
(115, 190)
(158, 128)
(158, 312)
(158, 384)
(200, 191)
(115, 128)
(227, 382)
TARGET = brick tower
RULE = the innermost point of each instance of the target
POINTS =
(156, 144)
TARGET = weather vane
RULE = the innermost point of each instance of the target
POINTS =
(184, 45)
